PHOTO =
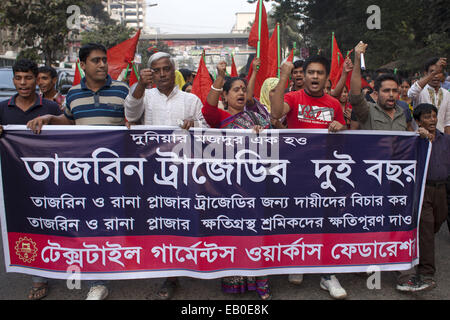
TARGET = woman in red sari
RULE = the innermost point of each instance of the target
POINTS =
(242, 112)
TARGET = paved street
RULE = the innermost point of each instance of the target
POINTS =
(15, 286)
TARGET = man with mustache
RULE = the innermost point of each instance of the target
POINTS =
(97, 100)
(385, 114)
(166, 104)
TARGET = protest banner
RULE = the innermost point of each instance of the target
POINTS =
(156, 202)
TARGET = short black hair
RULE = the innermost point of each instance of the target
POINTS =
(187, 84)
(407, 80)
(384, 77)
(317, 59)
(25, 65)
(47, 69)
(382, 71)
(186, 73)
(430, 62)
(229, 83)
(86, 50)
(423, 108)
(298, 64)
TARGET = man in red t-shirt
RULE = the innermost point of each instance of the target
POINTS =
(310, 108)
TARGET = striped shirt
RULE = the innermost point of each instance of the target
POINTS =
(104, 107)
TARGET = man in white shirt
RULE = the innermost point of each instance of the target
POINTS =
(428, 90)
(165, 105)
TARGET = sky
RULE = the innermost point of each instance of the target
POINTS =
(196, 16)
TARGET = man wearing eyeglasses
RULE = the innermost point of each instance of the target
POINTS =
(166, 104)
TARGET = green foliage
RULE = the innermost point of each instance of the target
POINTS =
(411, 31)
(41, 25)
(108, 35)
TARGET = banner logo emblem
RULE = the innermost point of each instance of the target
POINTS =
(26, 249)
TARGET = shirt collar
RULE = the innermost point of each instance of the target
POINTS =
(173, 93)
(398, 110)
(430, 87)
(106, 85)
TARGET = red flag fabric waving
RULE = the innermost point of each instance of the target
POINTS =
(234, 72)
(273, 54)
(264, 46)
(202, 82)
(77, 78)
(290, 58)
(133, 77)
(121, 56)
(337, 63)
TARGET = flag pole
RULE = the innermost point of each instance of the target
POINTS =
(332, 46)
(258, 51)
(79, 69)
(279, 49)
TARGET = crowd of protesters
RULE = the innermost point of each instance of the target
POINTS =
(388, 104)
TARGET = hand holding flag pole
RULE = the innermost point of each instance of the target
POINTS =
(258, 49)
(363, 61)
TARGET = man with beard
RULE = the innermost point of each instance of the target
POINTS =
(97, 100)
(385, 114)
(165, 105)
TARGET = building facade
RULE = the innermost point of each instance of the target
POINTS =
(129, 12)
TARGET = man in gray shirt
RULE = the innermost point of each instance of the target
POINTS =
(383, 115)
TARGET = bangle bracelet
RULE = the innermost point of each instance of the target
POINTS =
(215, 89)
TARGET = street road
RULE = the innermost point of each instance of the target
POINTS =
(15, 286)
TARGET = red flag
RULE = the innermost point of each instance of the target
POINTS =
(121, 56)
(290, 58)
(202, 82)
(337, 63)
(364, 83)
(263, 45)
(234, 72)
(77, 78)
(133, 77)
(273, 54)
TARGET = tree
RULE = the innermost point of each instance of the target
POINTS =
(41, 25)
(410, 31)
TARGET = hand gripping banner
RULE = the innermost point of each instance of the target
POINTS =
(157, 202)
